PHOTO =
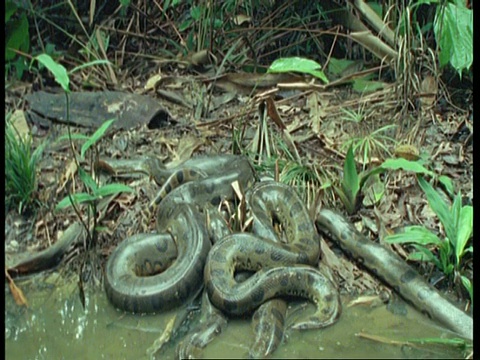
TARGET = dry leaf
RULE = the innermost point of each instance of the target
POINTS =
(241, 19)
(273, 113)
(202, 57)
(69, 173)
(429, 89)
(408, 152)
(17, 293)
(186, 147)
(372, 301)
(316, 105)
(153, 82)
(163, 339)
(19, 121)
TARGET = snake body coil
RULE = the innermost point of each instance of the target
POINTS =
(280, 269)
(156, 272)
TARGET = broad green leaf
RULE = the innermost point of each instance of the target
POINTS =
(111, 189)
(73, 137)
(448, 269)
(10, 8)
(366, 174)
(20, 66)
(455, 210)
(407, 165)
(338, 66)
(423, 254)
(217, 23)
(464, 231)
(58, 70)
(88, 64)
(298, 64)
(87, 180)
(185, 25)
(414, 234)
(17, 37)
(453, 27)
(346, 200)
(96, 136)
(448, 184)
(101, 228)
(365, 86)
(373, 190)
(77, 198)
(350, 176)
(196, 12)
(439, 207)
(446, 258)
(468, 285)
(457, 342)
(420, 256)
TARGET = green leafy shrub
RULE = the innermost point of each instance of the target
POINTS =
(453, 27)
(457, 222)
(353, 183)
(94, 192)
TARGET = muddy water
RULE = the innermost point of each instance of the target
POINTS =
(55, 326)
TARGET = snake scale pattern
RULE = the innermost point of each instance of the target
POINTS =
(155, 272)
(284, 268)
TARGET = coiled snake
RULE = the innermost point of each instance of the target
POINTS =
(179, 222)
(276, 266)
(281, 268)
(138, 277)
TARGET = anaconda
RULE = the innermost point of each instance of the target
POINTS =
(268, 320)
(143, 273)
(281, 269)
(206, 185)
(137, 278)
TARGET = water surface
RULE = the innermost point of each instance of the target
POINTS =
(55, 326)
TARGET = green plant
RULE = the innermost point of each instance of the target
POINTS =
(276, 156)
(457, 222)
(368, 181)
(20, 168)
(354, 116)
(202, 22)
(350, 185)
(453, 27)
(94, 191)
(468, 285)
(371, 143)
(353, 183)
(298, 64)
(442, 344)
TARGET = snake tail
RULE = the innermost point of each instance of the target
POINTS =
(393, 270)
